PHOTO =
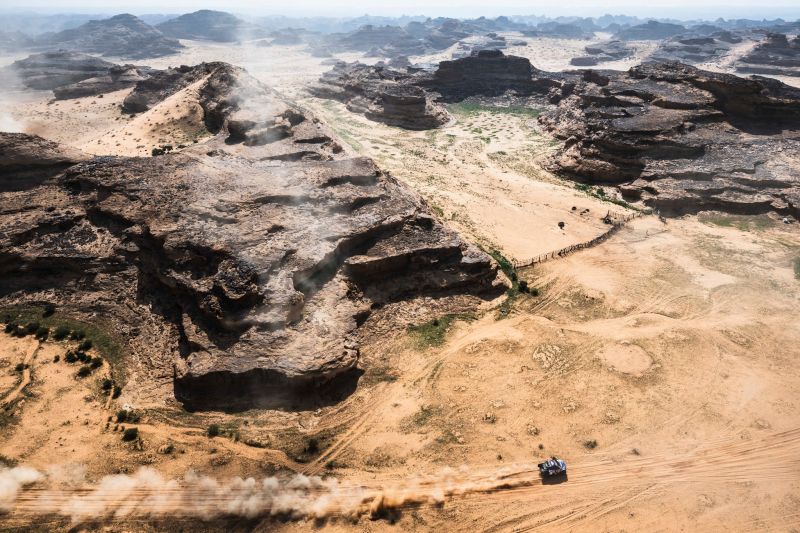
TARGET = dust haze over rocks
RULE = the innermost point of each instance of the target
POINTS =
(259, 252)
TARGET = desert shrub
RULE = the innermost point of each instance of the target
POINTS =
(590, 444)
(49, 309)
(130, 416)
(130, 434)
(534, 292)
(433, 332)
(70, 357)
(61, 333)
(523, 286)
(312, 446)
(212, 431)
(19, 368)
(77, 335)
(157, 151)
(117, 392)
(42, 333)
(31, 327)
(84, 371)
(10, 327)
(56, 358)
(107, 384)
(96, 362)
(85, 345)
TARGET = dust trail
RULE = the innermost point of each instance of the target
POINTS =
(147, 494)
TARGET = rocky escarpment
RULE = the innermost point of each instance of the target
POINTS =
(26, 161)
(692, 50)
(681, 139)
(776, 56)
(209, 25)
(49, 70)
(603, 52)
(381, 93)
(652, 30)
(121, 35)
(413, 98)
(667, 134)
(74, 75)
(255, 255)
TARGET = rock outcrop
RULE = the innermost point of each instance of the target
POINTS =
(255, 255)
(209, 25)
(26, 161)
(681, 139)
(603, 52)
(692, 50)
(667, 134)
(50, 70)
(413, 98)
(121, 35)
(776, 56)
(653, 30)
(382, 94)
(75, 75)
(117, 77)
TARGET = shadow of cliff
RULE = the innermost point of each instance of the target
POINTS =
(262, 389)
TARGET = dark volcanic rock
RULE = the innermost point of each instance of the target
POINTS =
(691, 50)
(117, 77)
(675, 137)
(682, 139)
(651, 31)
(122, 35)
(603, 52)
(777, 55)
(163, 83)
(395, 97)
(486, 72)
(252, 258)
(382, 94)
(209, 25)
(27, 160)
(55, 69)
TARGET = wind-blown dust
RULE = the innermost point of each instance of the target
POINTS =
(147, 494)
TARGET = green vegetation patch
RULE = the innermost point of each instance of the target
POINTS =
(434, 332)
(600, 194)
(740, 222)
(96, 335)
(797, 268)
(468, 109)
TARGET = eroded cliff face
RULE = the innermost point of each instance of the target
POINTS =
(256, 254)
(681, 139)
(675, 137)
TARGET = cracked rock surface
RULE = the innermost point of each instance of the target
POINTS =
(255, 256)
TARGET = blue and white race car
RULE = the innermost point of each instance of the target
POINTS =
(552, 467)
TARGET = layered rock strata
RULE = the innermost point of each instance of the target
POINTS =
(257, 254)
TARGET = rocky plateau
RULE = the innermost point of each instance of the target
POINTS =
(238, 269)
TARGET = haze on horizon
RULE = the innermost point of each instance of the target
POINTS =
(680, 9)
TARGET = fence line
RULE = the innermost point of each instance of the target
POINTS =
(616, 224)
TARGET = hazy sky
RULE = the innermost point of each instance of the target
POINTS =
(789, 9)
